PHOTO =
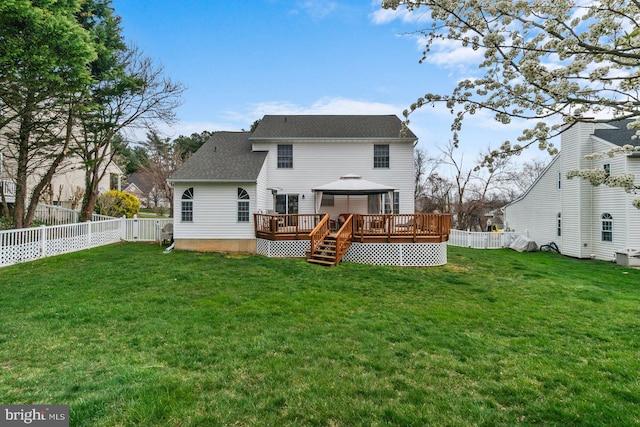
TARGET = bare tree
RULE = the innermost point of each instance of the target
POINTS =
(140, 98)
(165, 157)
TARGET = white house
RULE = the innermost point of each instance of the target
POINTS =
(286, 166)
(67, 185)
(584, 221)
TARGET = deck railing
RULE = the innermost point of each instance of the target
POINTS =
(389, 226)
(281, 226)
(411, 226)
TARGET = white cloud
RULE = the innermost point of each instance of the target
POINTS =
(384, 16)
(316, 9)
(450, 54)
(336, 105)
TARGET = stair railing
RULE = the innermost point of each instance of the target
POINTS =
(320, 231)
(343, 238)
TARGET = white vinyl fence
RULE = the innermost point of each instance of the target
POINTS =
(481, 240)
(56, 215)
(28, 244)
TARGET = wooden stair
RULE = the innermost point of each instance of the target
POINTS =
(325, 253)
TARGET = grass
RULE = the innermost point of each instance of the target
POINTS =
(127, 335)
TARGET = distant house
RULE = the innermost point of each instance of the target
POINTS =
(584, 221)
(67, 185)
(291, 165)
(141, 185)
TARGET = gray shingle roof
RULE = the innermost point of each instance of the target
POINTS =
(620, 136)
(330, 126)
(226, 156)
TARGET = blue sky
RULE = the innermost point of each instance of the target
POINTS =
(241, 60)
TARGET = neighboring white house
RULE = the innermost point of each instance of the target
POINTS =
(67, 185)
(282, 167)
(584, 221)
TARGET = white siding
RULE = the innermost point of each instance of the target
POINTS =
(320, 162)
(536, 212)
(580, 203)
(215, 212)
(608, 200)
(633, 214)
(264, 198)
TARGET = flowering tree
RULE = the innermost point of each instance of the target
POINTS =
(600, 176)
(543, 60)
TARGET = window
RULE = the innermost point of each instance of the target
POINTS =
(187, 205)
(327, 200)
(607, 169)
(607, 227)
(396, 203)
(559, 223)
(559, 180)
(243, 205)
(381, 156)
(285, 156)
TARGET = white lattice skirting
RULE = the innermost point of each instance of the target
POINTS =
(282, 248)
(401, 254)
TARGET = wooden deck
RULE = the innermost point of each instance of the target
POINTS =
(392, 228)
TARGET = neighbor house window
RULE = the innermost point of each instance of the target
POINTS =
(607, 169)
(396, 203)
(285, 156)
(187, 205)
(243, 205)
(381, 156)
(559, 223)
(607, 227)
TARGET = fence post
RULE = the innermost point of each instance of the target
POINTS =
(136, 227)
(123, 228)
(43, 241)
(88, 225)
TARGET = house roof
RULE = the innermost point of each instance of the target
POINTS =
(226, 156)
(619, 134)
(142, 180)
(330, 126)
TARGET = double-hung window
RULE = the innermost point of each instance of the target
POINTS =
(381, 156)
(606, 221)
(186, 209)
(243, 205)
(285, 156)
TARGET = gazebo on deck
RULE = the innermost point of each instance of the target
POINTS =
(352, 185)
(392, 239)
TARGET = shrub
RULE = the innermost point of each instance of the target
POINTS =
(117, 203)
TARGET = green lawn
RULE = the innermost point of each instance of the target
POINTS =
(128, 336)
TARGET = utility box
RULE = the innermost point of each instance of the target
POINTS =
(628, 257)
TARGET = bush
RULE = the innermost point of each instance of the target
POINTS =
(117, 203)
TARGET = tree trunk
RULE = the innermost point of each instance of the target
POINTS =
(24, 135)
(46, 179)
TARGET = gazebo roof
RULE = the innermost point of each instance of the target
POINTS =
(353, 185)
